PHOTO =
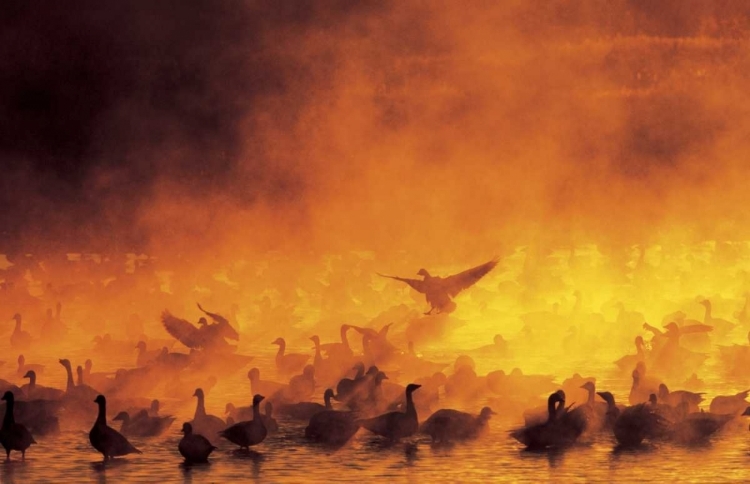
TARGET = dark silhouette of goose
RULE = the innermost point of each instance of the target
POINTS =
(305, 410)
(23, 367)
(637, 423)
(288, 363)
(448, 424)
(142, 425)
(14, 436)
(206, 336)
(692, 428)
(331, 427)
(108, 441)
(439, 291)
(263, 386)
(194, 448)
(347, 387)
(34, 391)
(395, 425)
(729, 404)
(19, 339)
(82, 392)
(204, 423)
(249, 432)
(613, 411)
(339, 351)
(562, 427)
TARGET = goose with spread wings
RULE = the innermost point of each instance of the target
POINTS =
(439, 291)
(205, 336)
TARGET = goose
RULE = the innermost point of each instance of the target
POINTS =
(105, 439)
(142, 425)
(339, 351)
(19, 339)
(630, 361)
(77, 392)
(288, 363)
(39, 416)
(679, 396)
(35, 392)
(696, 427)
(327, 370)
(202, 422)
(301, 387)
(271, 424)
(395, 425)
(98, 380)
(23, 367)
(592, 412)
(729, 405)
(721, 326)
(559, 430)
(248, 432)
(14, 436)
(194, 448)
(613, 412)
(347, 387)
(448, 424)
(439, 291)
(145, 356)
(305, 410)
(258, 386)
(499, 347)
(332, 427)
(637, 423)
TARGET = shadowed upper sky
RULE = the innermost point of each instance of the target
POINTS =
(368, 124)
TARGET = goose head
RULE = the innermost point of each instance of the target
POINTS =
(411, 387)
(257, 399)
(328, 393)
(16, 317)
(198, 393)
(486, 413)
(278, 341)
(141, 346)
(88, 364)
(8, 396)
(187, 429)
(309, 371)
(229, 408)
(65, 363)
(30, 374)
(100, 400)
(423, 273)
(315, 339)
(122, 416)
(253, 374)
(607, 397)
(588, 386)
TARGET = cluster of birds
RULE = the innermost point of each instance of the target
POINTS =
(364, 396)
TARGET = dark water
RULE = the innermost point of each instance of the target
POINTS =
(287, 457)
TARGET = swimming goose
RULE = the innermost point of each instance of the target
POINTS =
(339, 351)
(97, 380)
(19, 339)
(301, 387)
(142, 425)
(395, 425)
(193, 447)
(38, 392)
(202, 422)
(107, 440)
(696, 427)
(145, 356)
(729, 405)
(628, 362)
(258, 386)
(305, 410)
(448, 424)
(332, 427)
(248, 432)
(23, 367)
(560, 429)
(613, 412)
(14, 436)
(347, 387)
(721, 326)
(637, 423)
(288, 363)
(77, 392)
(676, 397)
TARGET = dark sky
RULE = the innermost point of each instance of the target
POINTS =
(101, 102)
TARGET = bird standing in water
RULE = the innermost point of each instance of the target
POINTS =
(439, 291)
(14, 436)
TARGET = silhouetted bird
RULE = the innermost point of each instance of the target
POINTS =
(193, 447)
(14, 436)
(249, 432)
(107, 440)
(448, 424)
(439, 291)
(395, 425)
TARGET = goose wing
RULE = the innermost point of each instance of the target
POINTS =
(416, 284)
(463, 280)
(182, 330)
(216, 317)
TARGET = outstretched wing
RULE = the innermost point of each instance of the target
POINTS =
(216, 317)
(182, 330)
(458, 282)
(418, 285)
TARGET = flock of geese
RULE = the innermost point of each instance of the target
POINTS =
(654, 412)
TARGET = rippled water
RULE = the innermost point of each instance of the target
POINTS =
(287, 457)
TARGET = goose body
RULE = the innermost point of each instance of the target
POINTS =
(560, 429)
(13, 436)
(142, 425)
(306, 410)
(38, 392)
(250, 432)
(332, 427)
(637, 423)
(448, 424)
(288, 363)
(202, 422)
(395, 425)
(23, 367)
(194, 448)
(106, 440)
(19, 339)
